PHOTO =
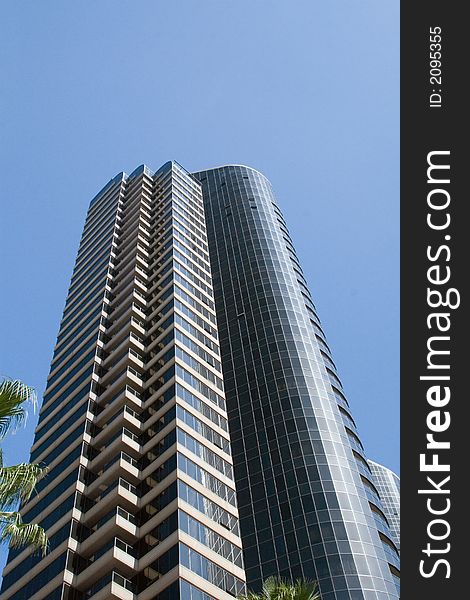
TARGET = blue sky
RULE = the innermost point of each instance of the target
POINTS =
(306, 92)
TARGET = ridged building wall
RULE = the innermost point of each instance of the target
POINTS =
(140, 498)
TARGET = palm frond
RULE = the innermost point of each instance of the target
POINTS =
(18, 482)
(306, 590)
(270, 587)
(277, 588)
(13, 393)
(18, 534)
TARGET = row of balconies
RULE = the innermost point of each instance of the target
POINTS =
(115, 463)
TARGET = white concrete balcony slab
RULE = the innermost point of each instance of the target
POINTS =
(121, 493)
(117, 525)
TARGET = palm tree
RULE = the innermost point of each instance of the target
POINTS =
(280, 589)
(17, 483)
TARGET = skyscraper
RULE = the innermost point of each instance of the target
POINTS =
(388, 486)
(140, 499)
(307, 503)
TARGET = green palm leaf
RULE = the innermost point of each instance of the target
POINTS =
(13, 393)
(275, 588)
(17, 483)
(18, 534)
(306, 590)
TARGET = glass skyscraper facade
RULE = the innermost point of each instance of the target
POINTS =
(308, 506)
(196, 430)
(388, 486)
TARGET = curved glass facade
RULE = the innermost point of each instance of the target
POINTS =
(308, 506)
(388, 486)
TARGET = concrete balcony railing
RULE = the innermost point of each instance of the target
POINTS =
(125, 417)
(118, 438)
(120, 493)
(113, 587)
(116, 383)
(116, 461)
(115, 555)
(126, 395)
(118, 522)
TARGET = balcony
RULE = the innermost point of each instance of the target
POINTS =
(127, 396)
(138, 341)
(116, 554)
(142, 261)
(119, 493)
(126, 423)
(117, 521)
(138, 326)
(122, 292)
(119, 383)
(120, 315)
(117, 588)
(120, 465)
(135, 376)
(118, 359)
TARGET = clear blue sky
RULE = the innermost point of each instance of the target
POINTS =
(307, 92)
